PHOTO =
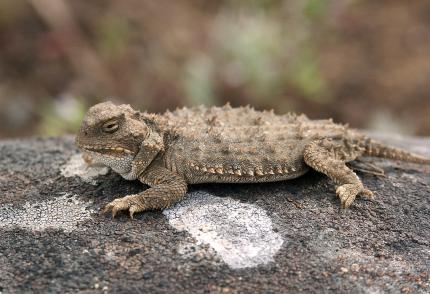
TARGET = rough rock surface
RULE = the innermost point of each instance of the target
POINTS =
(275, 237)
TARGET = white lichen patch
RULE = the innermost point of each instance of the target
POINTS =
(76, 166)
(240, 233)
(63, 212)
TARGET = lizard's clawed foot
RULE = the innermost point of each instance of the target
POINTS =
(348, 192)
(125, 203)
(367, 194)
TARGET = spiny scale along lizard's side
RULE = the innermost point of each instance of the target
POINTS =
(221, 145)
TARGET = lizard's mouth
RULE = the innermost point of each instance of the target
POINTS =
(105, 149)
(113, 149)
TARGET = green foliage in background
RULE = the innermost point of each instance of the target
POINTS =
(263, 53)
(305, 75)
(255, 49)
(316, 9)
(198, 81)
(113, 36)
(61, 116)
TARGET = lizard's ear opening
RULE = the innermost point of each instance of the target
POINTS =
(154, 141)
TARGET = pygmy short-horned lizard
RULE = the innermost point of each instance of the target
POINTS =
(222, 145)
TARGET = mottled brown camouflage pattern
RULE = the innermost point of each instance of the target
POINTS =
(222, 145)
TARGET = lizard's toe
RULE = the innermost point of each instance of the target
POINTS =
(106, 208)
(116, 206)
(346, 194)
(367, 194)
(135, 208)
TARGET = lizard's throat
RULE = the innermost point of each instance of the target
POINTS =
(121, 165)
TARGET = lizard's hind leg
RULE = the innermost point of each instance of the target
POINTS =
(329, 158)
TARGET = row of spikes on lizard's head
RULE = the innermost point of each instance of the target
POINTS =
(115, 130)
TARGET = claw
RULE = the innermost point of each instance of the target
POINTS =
(133, 209)
(367, 194)
(115, 206)
(105, 209)
(344, 204)
(346, 194)
(108, 208)
(125, 203)
(115, 210)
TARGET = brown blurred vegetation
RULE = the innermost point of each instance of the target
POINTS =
(366, 63)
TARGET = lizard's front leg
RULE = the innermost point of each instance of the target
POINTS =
(329, 158)
(166, 188)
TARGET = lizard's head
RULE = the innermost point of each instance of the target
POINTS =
(112, 131)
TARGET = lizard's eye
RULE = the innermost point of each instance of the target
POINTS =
(110, 127)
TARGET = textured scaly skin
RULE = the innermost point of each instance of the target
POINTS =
(221, 145)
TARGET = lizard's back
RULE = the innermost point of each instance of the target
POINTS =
(224, 144)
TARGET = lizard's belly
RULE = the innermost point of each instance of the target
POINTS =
(193, 177)
(237, 170)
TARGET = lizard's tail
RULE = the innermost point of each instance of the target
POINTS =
(376, 149)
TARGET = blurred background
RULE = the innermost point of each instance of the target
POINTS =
(362, 62)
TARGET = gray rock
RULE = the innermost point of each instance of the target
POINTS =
(276, 237)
